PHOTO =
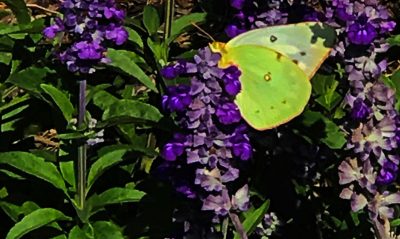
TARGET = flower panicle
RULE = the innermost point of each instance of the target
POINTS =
(90, 25)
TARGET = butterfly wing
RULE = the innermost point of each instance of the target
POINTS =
(308, 43)
(274, 88)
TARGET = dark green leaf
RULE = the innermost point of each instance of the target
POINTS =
(12, 211)
(61, 100)
(33, 27)
(183, 23)
(102, 164)
(36, 219)
(114, 196)
(68, 173)
(132, 109)
(254, 218)
(334, 136)
(35, 166)
(29, 78)
(107, 230)
(19, 9)
(103, 99)
(92, 90)
(125, 61)
(151, 20)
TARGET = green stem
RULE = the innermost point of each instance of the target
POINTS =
(82, 148)
(169, 15)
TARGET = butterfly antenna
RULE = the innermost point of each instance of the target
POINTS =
(201, 30)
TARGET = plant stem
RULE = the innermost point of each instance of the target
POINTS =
(169, 15)
(82, 147)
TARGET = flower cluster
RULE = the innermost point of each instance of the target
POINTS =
(250, 14)
(214, 139)
(269, 225)
(362, 27)
(89, 25)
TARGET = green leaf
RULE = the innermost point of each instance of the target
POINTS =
(159, 49)
(103, 99)
(394, 83)
(5, 57)
(134, 37)
(77, 233)
(395, 223)
(68, 173)
(29, 78)
(394, 40)
(35, 220)
(14, 102)
(12, 174)
(113, 196)
(253, 219)
(107, 230)
(125, 61)
(102, 164)
(33, 27)
(34, 166)
(151, 20)
(19, 9)
(92, 90)
(334, 137)
(3, 192)
(324, 86)
(61, 100)
(12, 211)
(183, 23)
(132, 110)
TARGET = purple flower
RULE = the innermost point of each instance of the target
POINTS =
(178, 98)
(360, 110)
(117, 34)
(361, 32)
(175, 148)
(388, 173)
(231, 80)
(241, 147)
(210, 148)
(88, 50)
(238, 4)
(90, 26)
(172, 71)
(233, 30)
(219, 204)
(228, 113)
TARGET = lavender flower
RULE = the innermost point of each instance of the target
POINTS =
(90, 25)
(215, 136)
(363, 25)
(250, 14)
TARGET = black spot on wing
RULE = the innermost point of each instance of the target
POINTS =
(273, 38)
(302, 53)
(296, 61)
